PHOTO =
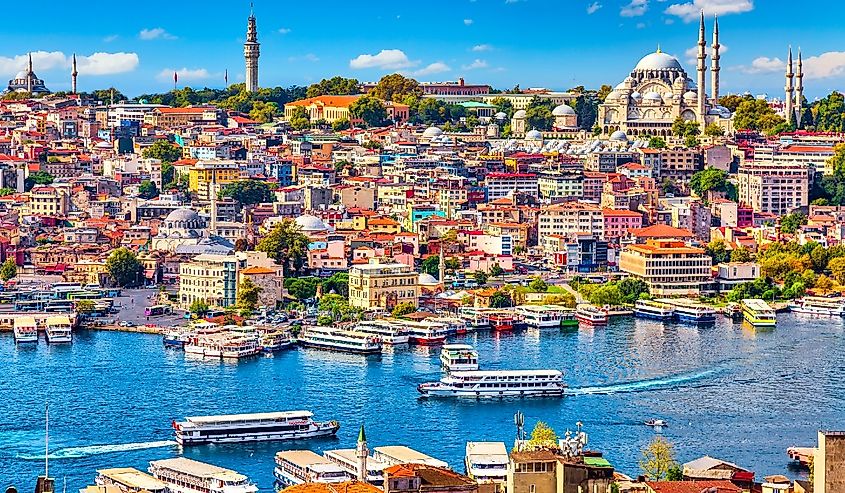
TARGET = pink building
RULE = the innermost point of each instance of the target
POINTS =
(617, 223)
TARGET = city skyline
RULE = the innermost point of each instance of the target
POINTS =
(141, 53)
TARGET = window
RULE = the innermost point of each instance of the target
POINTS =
(532, 488)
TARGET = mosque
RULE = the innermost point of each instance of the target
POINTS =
(658, 91)
(27, 81)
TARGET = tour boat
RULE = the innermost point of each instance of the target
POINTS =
(347, 459)
(546, 316)
(459, 357)
(295, 467)
(758, 313)
(237, 347)
(591, 315)
(273, 341)
(59, 330)
(498, 383)
(345, 341)
(206, 342)
(454, 325)
(656, 423)
(689, 311)
(177, 337)
(390, 333)
(814, 305)
(26, 330)
(258, 427)
(129, 480)
(426, 333)
(502, 321)
(475, 318)
(183, 475)
(654, 310)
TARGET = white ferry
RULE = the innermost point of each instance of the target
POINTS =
(499, 383)
(26, 330)
(454, 325)
(689, 311)
(503, 320)
(237, 347)
(654, 310)
(487, 462)
(295, 467)
(591, 314)
(258, 427)
(426, 333)
(345, 341)
(177, 337)
(390, 333)
(815, 305)
(546, 316)
(206, 342)
(272, 341)
(347, 459)
(475, 318)
(183, 475)
(59, 330)
(758, 313)
(459, 357)
(129, 480)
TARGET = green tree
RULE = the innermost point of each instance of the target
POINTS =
(301, 288)
(790, 223)
(480, 277)
(741, 254)
(714, 130)
(337, 283)
(732, 101)
(403, 309)
(8, 270)
(336, 308)
(248, 192)
(287, 245)
(340, 125)
(675, 473)
(503, 105)
(685, 128)
(396, 87)
(83, 307)
(248, 295)
(538, 285)
(369, 109)
(147, 189)
(603, 91)
(631, 289)
(690, 141)
(198, 307)
(496, 270)
(657, 143)
(167, 173)
(164, 151)
(586, 107)
(300, 119)
(830, 113)
(658, 458)
(756, 114)
(543, 436)
(709, 179)
(336, 86)
(824, 284)
(37, 178)
(123, 267)
(500, 299)
(718, 251)
(264, 112)
(431, 265)
(538, 115)
(836, 266)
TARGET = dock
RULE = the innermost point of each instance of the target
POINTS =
(801, 455)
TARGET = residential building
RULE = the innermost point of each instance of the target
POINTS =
(676, 165)
(501, 185)
(546, 471)
(211, 278)
(382, 285)
(569, 218)
(48, 201)
(708, 468)
(608, 161)
(423, 478)
(334, 108)
(712, 486)
(268, 280)
(352, 486)
(204, 173)
(517, 231)
(169, 118)
(730, 274)
(560, 185)
(669, 267)
(617, 223)
(774, 188)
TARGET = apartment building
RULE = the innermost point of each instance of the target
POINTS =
(211, 278)
(669, 267)
(570, 218)
(501, 185)
(557, 185)
(382, 285)
(774, 188)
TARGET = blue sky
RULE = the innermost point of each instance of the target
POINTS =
(535, 43)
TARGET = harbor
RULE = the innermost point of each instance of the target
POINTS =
(719, 377)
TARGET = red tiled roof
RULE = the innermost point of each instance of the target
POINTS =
(714, 486)
(662, 231)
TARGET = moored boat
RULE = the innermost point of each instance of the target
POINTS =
(295, 467)
(816, 305)
(458, 357)
(273, 341)
(426, 333)
(183, 475)
(347, 459)
(345, 341)
(503, 321)
(454, 325)
(758, 313)
(591, 315)
(475, 318)
(257, 427)
(497, 384)
(59, 330)
(129, 480)
(177, 337)
(389, 332)
(26, 330)
(654, 310)
(691, 312)
(546, 316)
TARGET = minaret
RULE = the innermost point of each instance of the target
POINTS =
(29, 76)
(73, 74)
(702, 68)
(361, 452)
(714, 63)
(251, 53)
(799, 92)
(442, 271)
(790, 96)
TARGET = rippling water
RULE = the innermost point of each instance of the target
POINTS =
(727, 391)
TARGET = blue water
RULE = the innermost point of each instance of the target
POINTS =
(727, 391)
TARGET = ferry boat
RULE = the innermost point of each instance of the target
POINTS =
(391, 334)
(257, 427)
(693, 312)
(498, 383)
(426, 333)
(654, 310)
(815, 305)
(183, 475)
(59, 330)
(459, 357)
(177, 337)
(206, 342)
(487, 462)
(347, 459)
(237, 347)
(295, 467)
(475, 318)
(454, 325)
(26, 330)
(346, 341)
(547, 316)
(502, 321)
(591, 315)
(273, 341)
(129, 480)
(758, 313)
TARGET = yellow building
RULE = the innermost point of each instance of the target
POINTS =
(384, 225)
(211, 278)
(204, 173)
(48, 201)
(669, 267)
(382, 285)
(334, 108)
(517, 231)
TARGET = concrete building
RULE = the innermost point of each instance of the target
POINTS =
(773, 188)
(211, 278)
(545, 471)
(560, 185)
(829, 463)
(570, 218)
(48, 201)
(501, 185)
(422, 478)
(382, 285)
(203, 174)
(669, 267)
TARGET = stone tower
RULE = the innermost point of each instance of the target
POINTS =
(714, 63)
(30, 74)
(361, 453)
(73, 74)
(799, 92)
(790, 93)
(252, 50)
(702, 69)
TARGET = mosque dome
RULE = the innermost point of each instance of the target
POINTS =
(426, 279)
(653, 96)
(520, 114)
(658, 61)
(636, 95)
(690, 96)
(563, 110)
(431, 132)
(311, 224)
(501, 115)
(182, 215)
(614, 95)
(534, 135)
(619, 136)
(20, 75)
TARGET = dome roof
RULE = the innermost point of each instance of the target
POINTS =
(182, 214)
(22, 75)
(690, 95)
(501, 115)
(534, 135)
(619, 135)
(309, 223)
(431, 132)
(653, 96)
(563, 110)
(658, 61)
(636, 95)
(520, 114)
(614, 95)
(427, 279)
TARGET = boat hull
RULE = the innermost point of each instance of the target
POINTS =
(653, 316)
(591, 321)
(427, 341)
(339, 349)
(267, 436)
(484, 394)
(696, 319)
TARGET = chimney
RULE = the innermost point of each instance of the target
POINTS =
(461, 81)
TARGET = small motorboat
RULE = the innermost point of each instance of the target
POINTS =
(656, 423)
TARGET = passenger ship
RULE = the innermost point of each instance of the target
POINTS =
(499, 383)
(347, 459)
(591, 315)
(390, 333)
(454, 325)
(59, 330)
(475, 318)
(177, 337)
(295, 467)
(26, 330)
(502, 320)
(220, 343)
(459, 357)
(686, 311)
(183, 475)
(654, 310)
(345, 341)
(272, 341)
(547, 316)
(758, 313)
(426, 333)
(814, 305)
(128, 479)
(258, 427)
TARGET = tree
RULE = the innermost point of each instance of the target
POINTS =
(657, 459)
(709, 179)
(84, 306)
(631, 289)
(741, 254)
(164, 151)
(538, 285)
(836, 266)
(669, 187)
(543, 436)
(335, 308)
(287, 245)
(248, 295)
(657, 143)
(480, 277)
(675, 473)
(167, 173)
(248, 192)
(790, 223)
(8, 270)
(147, 190)
(37, 178)
(431, 265)
(336, 86)
(301, 288)
(338, 283)
(340, 125)
(264, 112)
(603, 91)
(496, 270)
(503, 105)
(714, 130)
(198, 307)
(538, 115)
(732, 101)
(370, 109)
(396, 87)
(690, 141)
(500, 299)
(299, 119)
(830, 113)
(403, 309)
(718, 251)
(124, 267)
(586, 107)
(823, 284)
(756, 114)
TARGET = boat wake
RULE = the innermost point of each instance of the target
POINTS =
(81, 452)
(641, 385)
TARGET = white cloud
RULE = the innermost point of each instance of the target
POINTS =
(690, 11)
(107, 63)
(764, 65)
(111, 38)
(434, 68)
(468, 22)
(593, 8)
(830, 64)
(482, 47)
(385, 60)
(691, 55)
(94, 64)
(185, 74)
(476, 64)
(635, 8)
(284, 30)
(640, 25)
(155, 33)
(308, 57)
